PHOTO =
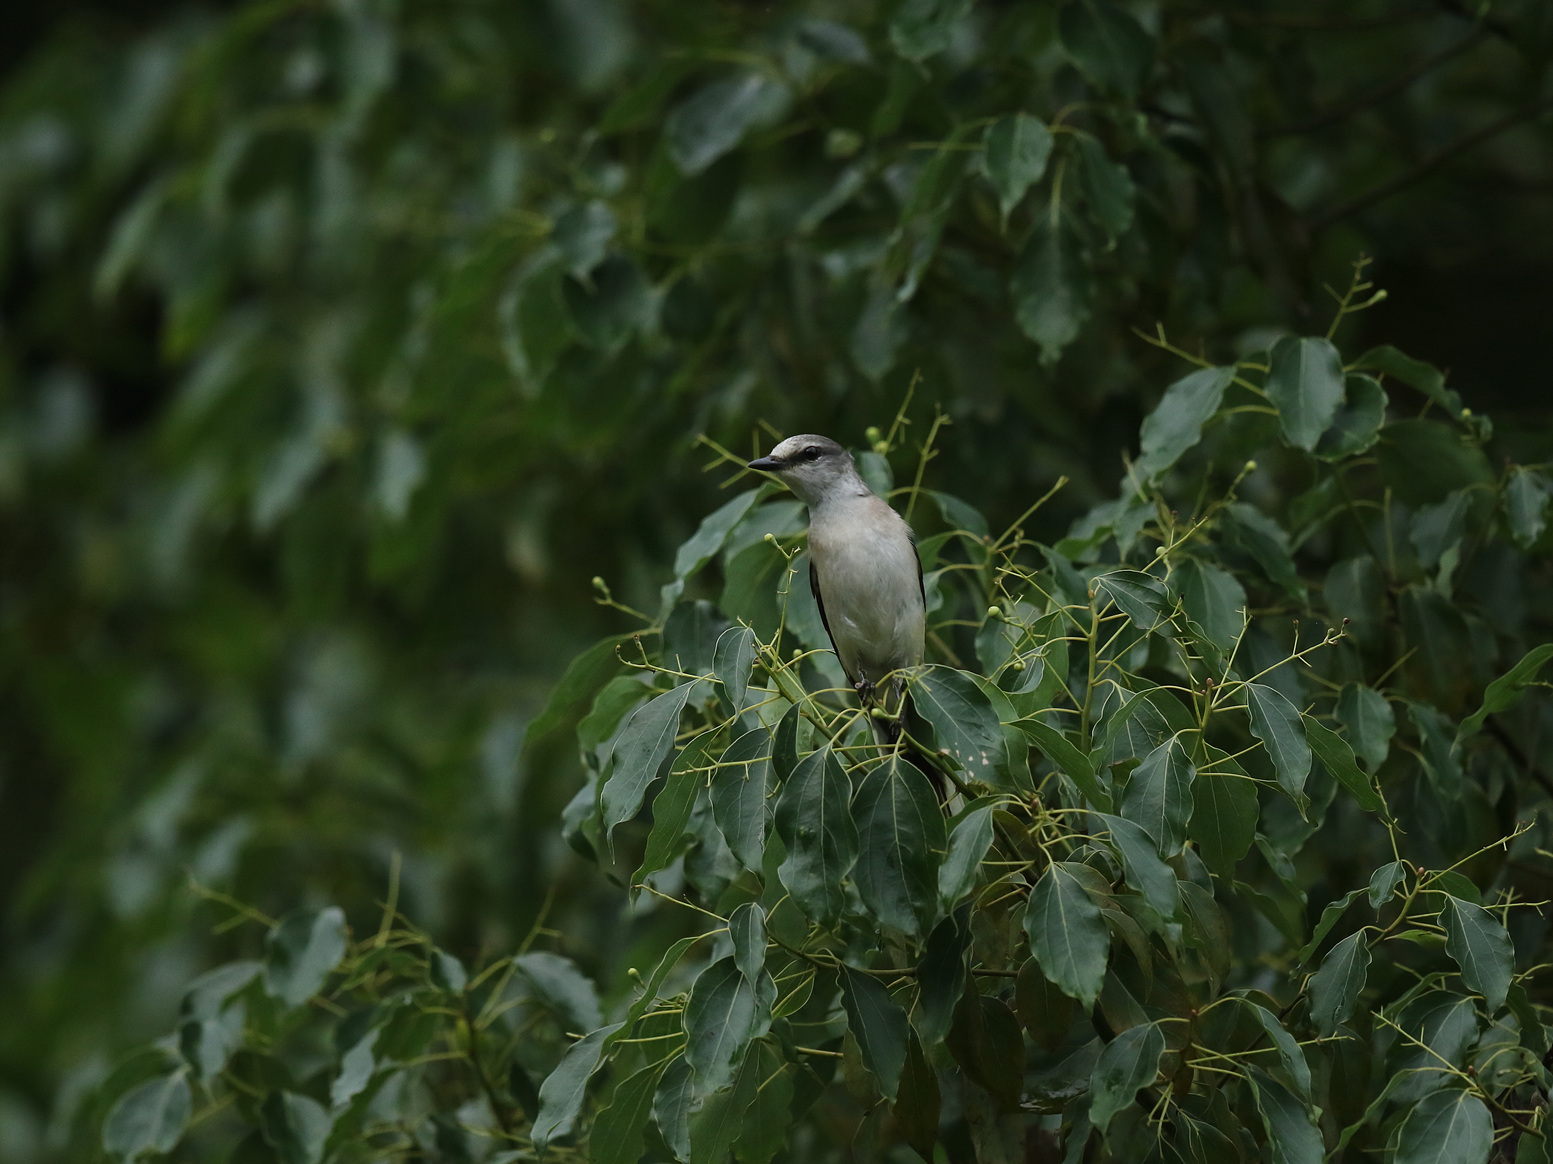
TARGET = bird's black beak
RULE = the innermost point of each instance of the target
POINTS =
(766, 464)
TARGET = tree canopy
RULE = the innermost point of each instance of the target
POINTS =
(342, 347)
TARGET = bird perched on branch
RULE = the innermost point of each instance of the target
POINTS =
(863, 569)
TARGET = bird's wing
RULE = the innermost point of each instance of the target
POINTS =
(911, 535)
(819, 600)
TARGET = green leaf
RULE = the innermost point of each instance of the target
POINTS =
(922, 28)
(918, 1101)
(1441, 764)
(296, 1126)
(1248, 529)
(617, 1132)
(1481, 947)
(561, 1094)
(1425, 460)
(1276, 722)
(1329, 918)
(303, 950)
(1356, 424)
(1292, 1136)
(672, 806)
(1306, 384)
(901, 840)
(1068, 935)
(1042, 1008)
(1435, 528)
(769, 1115)
(563, 988)
(1066, 756)
(1367, 718)
(965, 724)
(1017, 148)
(1333, 751)
(639, 754)
(725, 1013)
(747, 931)
(357, 1066)
(719, 1120)
(1447, 1127)
(959, 514)
(1158, 797)
(1506, 691)
(1108, 187)
(1414, 373)
(1334, 989)
(1128, 1063)
(1107, 44)
(941, 978)
(1213, 599)
(732, 660)
(149, 1117)
(671, 1107)
(1176, 423)
(878, 1024)
(1384, 881)
(814, 823)
(968, 845)
(708, 540)
(1290, 1058)
(752, 581)
(1142, 866)
(1050, 290)
(1143, 599)
(741, 786)
(985, 1041)
(1526, 505)
(1224, 813)
(713, 120)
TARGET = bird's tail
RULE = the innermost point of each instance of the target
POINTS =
(889, 732)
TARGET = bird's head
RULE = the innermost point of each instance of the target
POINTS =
(813, 467)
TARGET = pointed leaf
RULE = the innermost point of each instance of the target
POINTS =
(1107, 44)
(814, 822)
(672, 806)
(878, 1024)
(940, 978)
(1176, 423)
(1306, 383)
(149, 1117)
(713, 120)
(1481, 947)
(1334, 989)
(1108, 187)
(1159, 798)
(747, 931)
(1368, 720)
(1224, 812)
(1050, 290)
(724, 1014)
(1356, 424)
(741, 787)
(1142, 866)
(1334, 752)
(1291, 1135)
(731, 663)
(901, 840)
(1066, 756)
(1068, 935)
(1276, 722)
(1214, 599)
(765, 1123)
(617, 1132)
(968, 845)
(640, 751)
(1129, 1062)
(561, 1094)
(1447, 1127)
(303, 950)
(918, 1102)
(1506, 691)
(1018, 146)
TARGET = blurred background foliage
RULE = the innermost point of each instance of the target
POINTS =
(342, 343)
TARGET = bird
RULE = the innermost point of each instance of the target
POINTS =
(863, 569)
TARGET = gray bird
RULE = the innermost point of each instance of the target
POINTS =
(863, 569)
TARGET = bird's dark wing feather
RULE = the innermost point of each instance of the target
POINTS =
(819, 600)
(921, 589)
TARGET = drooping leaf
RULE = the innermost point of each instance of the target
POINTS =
(1143, 599)
(1306, 385)
(815, 824)
(717, 1122)
(878, 1024)
(984, 1039)
(1368, 720)
(1424, 460)
(617, 1132)
(1248, 529)
(731, 663)
(1224, 812)
(357, 1067)
(1446, 1127)
(296, 1126)
(1129, 1063)
(671, 1106)
(714, 119)
(918, 1101)
(562, 1092)
(557, 982)
(964, 721)
(741, 786)
(901, 841)
(941, 977)
(765, 1122)
(1334, 989)
(1414, 373)
(303, 950)
(1277, 723)
(1526, 505)
(1481, 947)
(1334, 752)
(1043, 1009)
(1176, 423)
(1017, 147)
(1213, 598)
(1068, 935)
(672, 806)
(1506, 691)
(968, 845)
(725, 1013)
(1050, 288)
(1435, 528)
(1108, 187)
(639, 754)
(1292, 1136)
(1107, 44)
(924, 27)
(1441, 763)
(747, 931)
(149, 1117)
(1291, 1060)
(1142, 866)
(1066, 755)
(1159, 795)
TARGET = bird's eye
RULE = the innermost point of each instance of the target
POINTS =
(812, 453)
